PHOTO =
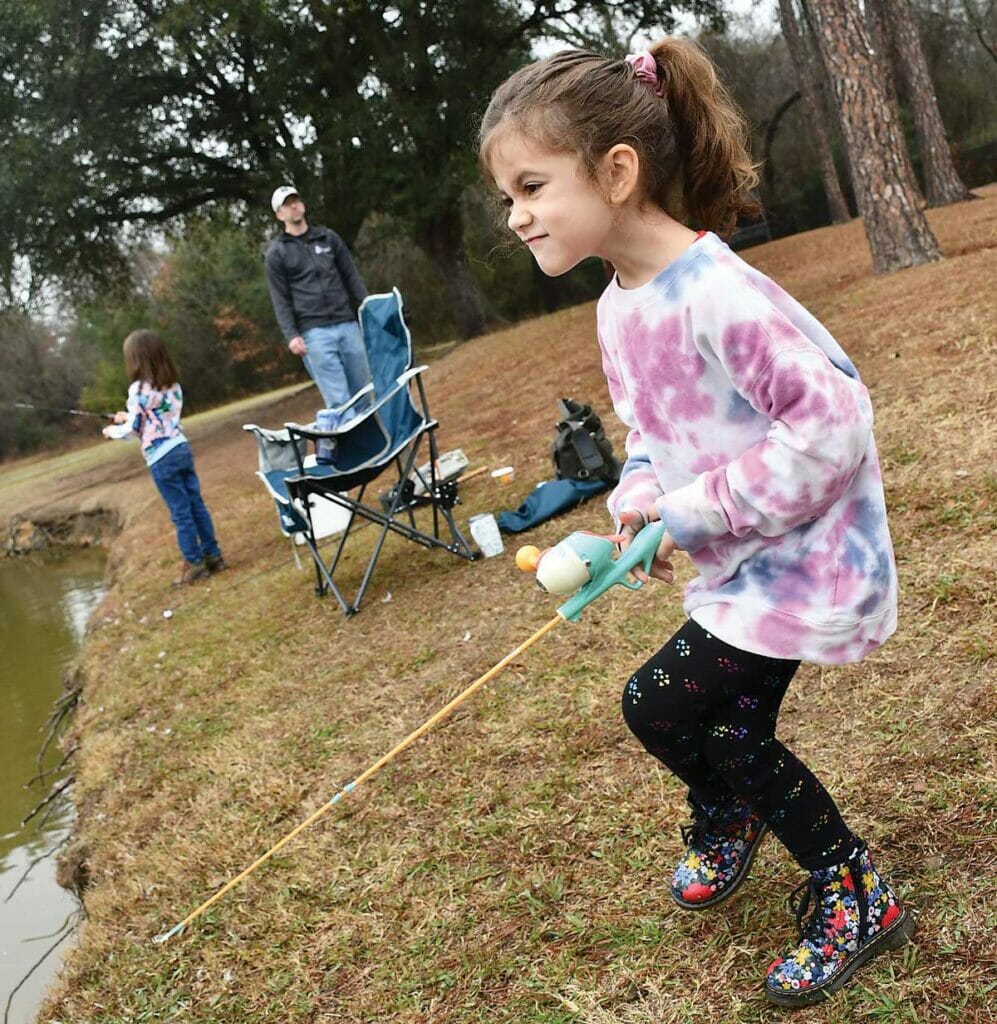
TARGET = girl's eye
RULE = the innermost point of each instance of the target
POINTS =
(531, 187)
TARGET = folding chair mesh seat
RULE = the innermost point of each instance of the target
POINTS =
(385, 439)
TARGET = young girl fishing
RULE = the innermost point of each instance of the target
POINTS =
(749, 437)
(153, 407)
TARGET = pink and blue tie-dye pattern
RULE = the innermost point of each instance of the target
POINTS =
(751, 432)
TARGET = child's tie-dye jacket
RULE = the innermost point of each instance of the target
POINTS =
(751, 432)
(155, 416)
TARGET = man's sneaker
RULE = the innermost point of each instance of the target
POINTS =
(215, 563)
(191, 573)
(855, 916)
(720, 846)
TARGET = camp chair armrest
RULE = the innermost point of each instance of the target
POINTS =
(300, 430)
(312, 432)
(400, 385)
(414, 372)
(354, 399)
(265, 432)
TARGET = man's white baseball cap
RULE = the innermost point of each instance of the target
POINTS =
(280, 195)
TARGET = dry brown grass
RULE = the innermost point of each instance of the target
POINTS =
(511, 866)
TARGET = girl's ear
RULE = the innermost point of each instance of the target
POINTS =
(621, 167)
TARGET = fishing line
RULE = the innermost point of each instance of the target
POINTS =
(54, 408)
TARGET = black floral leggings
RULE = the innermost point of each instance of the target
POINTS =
(708, 711)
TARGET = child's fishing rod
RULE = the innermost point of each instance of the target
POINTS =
(68, 412)
(582, 565)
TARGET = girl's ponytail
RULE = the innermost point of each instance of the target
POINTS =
(717, 174)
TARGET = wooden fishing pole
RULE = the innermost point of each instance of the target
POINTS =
(375, 767)
(581, 565)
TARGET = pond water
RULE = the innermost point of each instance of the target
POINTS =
(44, 606)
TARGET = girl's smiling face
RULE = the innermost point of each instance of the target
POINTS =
(554, 206)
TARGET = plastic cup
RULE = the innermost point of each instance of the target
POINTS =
(486, 534)
(504, 475)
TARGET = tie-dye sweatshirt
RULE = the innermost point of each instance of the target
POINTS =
(752, 434)
(155, 416)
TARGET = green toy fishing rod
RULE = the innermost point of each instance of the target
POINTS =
(583, 565)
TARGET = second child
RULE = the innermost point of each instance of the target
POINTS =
(152, 412)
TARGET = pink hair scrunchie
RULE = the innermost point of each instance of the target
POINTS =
(646, 70)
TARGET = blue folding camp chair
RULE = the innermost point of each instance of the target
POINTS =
(386, 438)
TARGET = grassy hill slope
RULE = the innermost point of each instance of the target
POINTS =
(512, 865)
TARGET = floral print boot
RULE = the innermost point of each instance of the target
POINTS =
(720, 844)
(855, 916)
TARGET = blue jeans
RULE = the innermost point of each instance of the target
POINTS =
(337, 361)
(177, 482)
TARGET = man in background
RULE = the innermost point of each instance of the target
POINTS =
(316, 291)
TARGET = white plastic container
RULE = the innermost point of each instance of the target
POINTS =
(328, 518)
(486, 534)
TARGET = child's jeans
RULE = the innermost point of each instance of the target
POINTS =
(708, 711)
(337, 361)
(174, 475)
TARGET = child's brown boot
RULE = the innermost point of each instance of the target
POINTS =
(191, 573)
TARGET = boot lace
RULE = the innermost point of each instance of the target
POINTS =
(696, 831)
(808, 897)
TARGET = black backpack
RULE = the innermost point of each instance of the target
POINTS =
(581, 450)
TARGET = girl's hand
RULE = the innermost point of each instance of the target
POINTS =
(121, 417)
(631, 523)
(661, 565)
(105, 430)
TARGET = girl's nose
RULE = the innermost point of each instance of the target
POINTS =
(518, 217)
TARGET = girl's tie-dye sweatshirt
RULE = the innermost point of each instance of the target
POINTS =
(752, 434)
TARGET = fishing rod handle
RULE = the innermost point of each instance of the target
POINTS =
(641, 552)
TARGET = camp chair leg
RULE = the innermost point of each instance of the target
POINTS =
(396, 501)
(403, 476)
(433, 480)
(327, 583)
(387, 521)
(310, 541)
(346, 532)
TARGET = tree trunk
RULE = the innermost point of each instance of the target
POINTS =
(810, 88)
(895, 224)
(941, 180)
(441, 238)
(883, 53)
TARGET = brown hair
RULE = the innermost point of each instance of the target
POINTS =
(146, 358)
(692, 142)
